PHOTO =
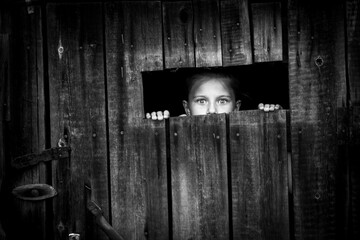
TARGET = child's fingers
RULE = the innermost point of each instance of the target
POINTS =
(271, 107)
(160, 115)
(266, 107)
(153, 116)
(261, 106)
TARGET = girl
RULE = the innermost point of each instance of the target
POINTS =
(210, 93)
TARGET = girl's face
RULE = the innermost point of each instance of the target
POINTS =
(210, 96)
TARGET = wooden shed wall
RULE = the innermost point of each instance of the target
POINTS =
(71, 76)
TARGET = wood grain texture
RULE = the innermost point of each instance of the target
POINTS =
(353, 49)
(235, 33)
(207, 33)
(317, 97)
(4, 75)
(139, 182)
(267, 31)
(199, 177)
(4, 80)
(26, 133)
(77, 113)
(178, 34)
(133, 44)
(353, 61)
(259, 177)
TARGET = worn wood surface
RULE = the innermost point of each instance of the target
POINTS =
(258, 147)
(235, 33)
(267, 31)
(139, 182)
(317, 97)
(77, 100)
(199, 177)
(207, 33)
(4, 80)
(26, 128)
(353, 60)
(178, 34)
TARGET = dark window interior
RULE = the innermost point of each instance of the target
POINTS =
(259, 83)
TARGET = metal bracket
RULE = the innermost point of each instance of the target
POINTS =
(28, 160)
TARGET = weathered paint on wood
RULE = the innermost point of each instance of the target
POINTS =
(77, 100)
(207, 33)
(26, 119)
(267, 31)
(139, 193)
(258, 146)
(199, 177)
(317, 96)
(178, 34)
(353, 60)
(235, 33)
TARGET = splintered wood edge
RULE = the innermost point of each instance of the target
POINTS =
(24, 192)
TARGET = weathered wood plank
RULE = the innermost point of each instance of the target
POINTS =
(4, 80)
(267, 31)
(133, 44)
(139, 182)
(259, 177)
(178, 34)
(199, 177)
(317, 97)
(207, 33)
(353, 60)
(235, 33)
(26, 132)
(77, 114)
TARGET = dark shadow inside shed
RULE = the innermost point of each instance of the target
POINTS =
(259, 83)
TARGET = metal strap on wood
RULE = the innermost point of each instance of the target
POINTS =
(28, 160)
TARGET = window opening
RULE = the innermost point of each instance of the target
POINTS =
(258, 83)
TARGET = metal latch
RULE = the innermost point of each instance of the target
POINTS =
(28, 160)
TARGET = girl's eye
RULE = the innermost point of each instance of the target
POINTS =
(223, 101)
(201, 101)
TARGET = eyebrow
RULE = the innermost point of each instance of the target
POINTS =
(198, 96)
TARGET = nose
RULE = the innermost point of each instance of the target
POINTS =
(211, 108)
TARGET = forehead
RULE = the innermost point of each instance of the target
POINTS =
(211, 85)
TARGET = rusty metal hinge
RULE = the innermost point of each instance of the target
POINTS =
(28, 160)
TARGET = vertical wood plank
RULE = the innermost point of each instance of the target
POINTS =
(77, 101)
(207, 33)
(258, 146)
(267, 31)
(4, 79)
(26, 132)
(178, 34)
(139, 182)
(353, 60)
(235, 33)
(317, 97)
(133, 44)
(199, 177)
